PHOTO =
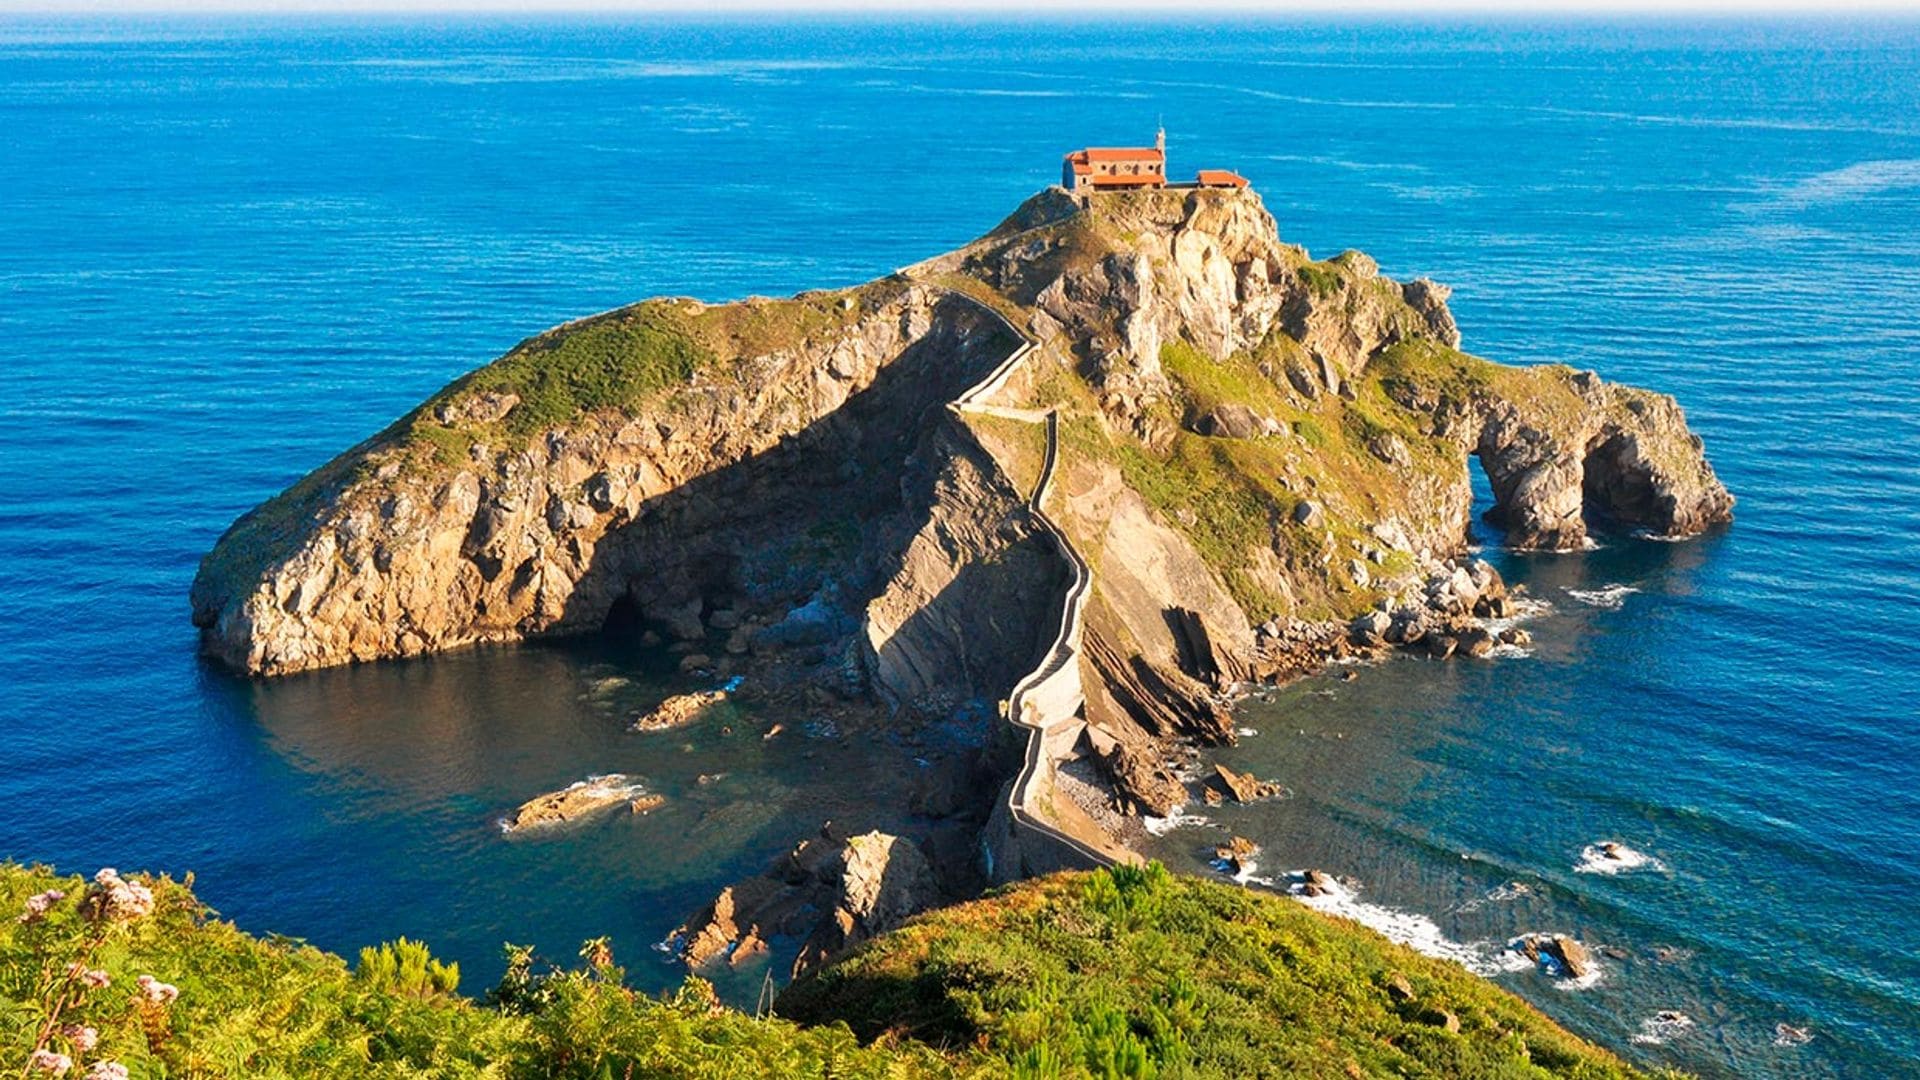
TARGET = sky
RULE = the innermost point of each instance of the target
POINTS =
(1019, 7)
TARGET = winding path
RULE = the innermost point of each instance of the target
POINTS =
(1047, 702)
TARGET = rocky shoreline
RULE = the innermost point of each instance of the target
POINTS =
(1259, 463)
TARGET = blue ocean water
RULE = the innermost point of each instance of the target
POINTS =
(230, 249)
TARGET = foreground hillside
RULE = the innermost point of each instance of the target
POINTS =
(1127, 973)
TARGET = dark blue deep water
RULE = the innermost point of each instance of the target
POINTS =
(229, 250)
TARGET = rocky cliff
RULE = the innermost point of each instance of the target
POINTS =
(1255, 448)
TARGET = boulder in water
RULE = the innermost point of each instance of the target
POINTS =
(678, 711)
(582, 799)
(1316, 883)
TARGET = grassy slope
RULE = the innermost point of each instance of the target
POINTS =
(1182, 978)
(275, 1008)
(1072, 976)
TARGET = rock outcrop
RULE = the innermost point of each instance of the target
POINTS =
(739, 440)
(582, 799)
(1263, 460)
(1558, 954)
(464, 523)
(832, 890)
(678, 711)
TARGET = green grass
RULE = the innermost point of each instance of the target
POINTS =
(1127, 973)
(611, 361)
(1321, 278)
(276, 1008)
(1206, 382)
(1135, 973)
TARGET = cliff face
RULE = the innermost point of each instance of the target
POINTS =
(1250, 440)
(772, 476)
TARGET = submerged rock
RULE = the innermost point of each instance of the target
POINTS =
(678, 710)
(581, 799)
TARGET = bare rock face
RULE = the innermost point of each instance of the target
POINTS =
(834, 890)
(1428, 299)
(967, 598)
(1621, 456)
(390, 552)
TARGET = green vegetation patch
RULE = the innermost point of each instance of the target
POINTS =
(1129, 973)
(216, 1003)
(1201, 488)
(623, 360)
(1322, 278)
(1132, 972)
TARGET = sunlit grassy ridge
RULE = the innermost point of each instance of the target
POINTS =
(1114, 974)
(1134, 972)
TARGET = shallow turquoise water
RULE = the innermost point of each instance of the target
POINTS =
(231, 249)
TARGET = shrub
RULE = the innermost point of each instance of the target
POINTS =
(407, 968)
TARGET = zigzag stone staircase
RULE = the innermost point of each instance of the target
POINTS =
(1032, 830)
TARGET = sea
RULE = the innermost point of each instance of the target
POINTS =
(231, 248)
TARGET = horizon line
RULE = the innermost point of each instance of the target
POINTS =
(1015, 10)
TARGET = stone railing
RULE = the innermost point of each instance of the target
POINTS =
(1025, 835)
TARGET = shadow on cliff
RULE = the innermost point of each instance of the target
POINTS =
(774, 527)
(824, 519)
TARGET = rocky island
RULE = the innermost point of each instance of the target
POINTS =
(1101, 467)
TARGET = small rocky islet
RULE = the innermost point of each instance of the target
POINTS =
(1238, 462)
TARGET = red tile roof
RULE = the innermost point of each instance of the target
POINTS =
(1141, 154)
(1222, 178)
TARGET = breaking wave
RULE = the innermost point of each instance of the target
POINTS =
(1610, 597)
(1607, 857)
(1176, 818)
(1408, 928)
(1655, 1030)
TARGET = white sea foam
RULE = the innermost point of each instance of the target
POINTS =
(1510, 652)
(1661, 538)
(1599, 858)
(1611, 597)
(1499, 894)
(1246, 732)
(1787, 1035)
(1525, 609)
(1408, 928)
(1247, 874)
(1655, 1030)
(1177, 818)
